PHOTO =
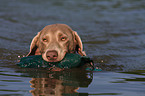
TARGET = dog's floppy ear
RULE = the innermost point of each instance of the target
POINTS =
(34, 46)
(79, 45)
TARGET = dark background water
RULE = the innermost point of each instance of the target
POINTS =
(113, 34)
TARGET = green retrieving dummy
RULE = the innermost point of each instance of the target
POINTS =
(69, 61)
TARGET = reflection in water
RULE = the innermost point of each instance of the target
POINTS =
(51, 87)
(58, 83)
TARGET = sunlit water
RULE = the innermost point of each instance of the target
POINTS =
(113, 34)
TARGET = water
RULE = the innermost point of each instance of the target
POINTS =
(113, 34)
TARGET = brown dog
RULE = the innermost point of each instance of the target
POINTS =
(54, 41)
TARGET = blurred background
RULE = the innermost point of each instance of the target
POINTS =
(111, 30)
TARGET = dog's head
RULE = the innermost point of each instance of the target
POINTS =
(54, 41)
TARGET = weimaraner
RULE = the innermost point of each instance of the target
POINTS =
(54, 41)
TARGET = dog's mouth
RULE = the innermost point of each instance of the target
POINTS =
(53, 56)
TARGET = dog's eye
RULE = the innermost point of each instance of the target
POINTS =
(63, 38)
(44, 40)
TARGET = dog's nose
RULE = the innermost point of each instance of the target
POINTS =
(52, 55)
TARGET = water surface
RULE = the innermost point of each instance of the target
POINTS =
(113, 34)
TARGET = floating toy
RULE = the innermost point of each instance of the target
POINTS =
(69, 61)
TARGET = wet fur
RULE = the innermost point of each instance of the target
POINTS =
(59, 37)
